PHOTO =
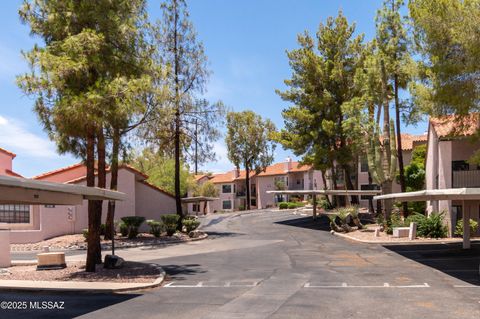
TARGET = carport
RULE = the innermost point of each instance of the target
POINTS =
(461, 194)
(198, 199)
(336, 192)
(14, 190)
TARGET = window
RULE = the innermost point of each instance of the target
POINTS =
(298, 182)
(368, 187)
(253, 188)
(460, 166)
(226, 189)
(14, 214)
(253, 202)
(364, 165)
(227, 204)
(196, 207)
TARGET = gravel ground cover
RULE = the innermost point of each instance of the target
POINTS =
(75, 271)
(77, 241)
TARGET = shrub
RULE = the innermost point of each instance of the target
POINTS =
(85, 233)
(190, 225)
(132, 223)
(283, 205)
(291, 205)
(459, 227)
(170, 221)
(395, 220)
(123, 228)
(156, 227)
(431, 226)
(103, 227)
(323, 203)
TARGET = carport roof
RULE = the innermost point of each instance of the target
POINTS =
(198, 199)
(14, 190)
(435, 194)
(350, 192)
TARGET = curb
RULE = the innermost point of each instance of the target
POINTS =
(412, 242)
(140, 286)
(119, 247)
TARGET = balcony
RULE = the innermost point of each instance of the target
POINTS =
(466, 178)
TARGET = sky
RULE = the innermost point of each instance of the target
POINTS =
(245, 42)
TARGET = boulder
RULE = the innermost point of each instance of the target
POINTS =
(195, 234)
(113, 262)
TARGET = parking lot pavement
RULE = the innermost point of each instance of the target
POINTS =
(280, 265)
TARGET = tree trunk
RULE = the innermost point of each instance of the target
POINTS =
(387, 203)
(109, 223)
(93, 229)
(349, 184)
(102, 183)
(247, 182)
(370, 198)
(324, 180)
(334, 183)
(178, 196)
(399, 145)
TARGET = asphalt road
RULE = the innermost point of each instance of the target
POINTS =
(280, 265)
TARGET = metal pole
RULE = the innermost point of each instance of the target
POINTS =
(466, 227)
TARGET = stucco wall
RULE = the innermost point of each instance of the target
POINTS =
(151, 203)
(67, 175)
(5, 163)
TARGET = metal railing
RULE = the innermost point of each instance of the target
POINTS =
(466, 178)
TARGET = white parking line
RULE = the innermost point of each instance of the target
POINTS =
(203, 284)
(345, 285)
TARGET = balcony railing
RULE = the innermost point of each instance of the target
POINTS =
(466, 179)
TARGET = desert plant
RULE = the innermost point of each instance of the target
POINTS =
(156, 227)
(353, 210)
(102, 229)
(283, 205)
(170, 221)
(85, 233)
(343, 214)
(333, 223)
(190, 225)
(323, 203)
(431, 226)
(123, 228)
(459, 227)
(133, 223)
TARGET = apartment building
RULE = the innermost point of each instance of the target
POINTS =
(450, 146)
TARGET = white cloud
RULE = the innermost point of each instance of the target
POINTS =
(15, 137)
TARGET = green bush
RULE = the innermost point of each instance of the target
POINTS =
(431, 226)
(459, 227)
(292, 205)
(190, 225)
(170, 221)
(323, 203)
(156, 227)
(283, 205)
(133, 223)
(85, 233)
(123, 228)
(395, 220)
(103, 227)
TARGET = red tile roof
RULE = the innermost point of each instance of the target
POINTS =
(57, 171)
(409, 139)
(455, 125)
(7, 152)
(279, 169)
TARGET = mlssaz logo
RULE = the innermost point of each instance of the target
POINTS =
(48, 305)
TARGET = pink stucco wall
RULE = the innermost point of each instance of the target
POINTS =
(5, 163)
(66, 175)
(142, 200)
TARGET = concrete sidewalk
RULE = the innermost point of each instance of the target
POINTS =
(79, 286)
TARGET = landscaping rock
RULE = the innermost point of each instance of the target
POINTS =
(113, 262)
(195, 234)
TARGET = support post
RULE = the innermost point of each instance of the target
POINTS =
(314, 202)
(466, 227)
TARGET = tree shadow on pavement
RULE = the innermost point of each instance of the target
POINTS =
(216, 234)
(180, 272)
(320, 223)
(448, 258)
(68, 305)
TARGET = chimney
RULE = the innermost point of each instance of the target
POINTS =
(288, 164)
(235, 173)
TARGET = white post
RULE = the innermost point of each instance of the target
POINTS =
(412, 233)
(5, 259)
(466, 227)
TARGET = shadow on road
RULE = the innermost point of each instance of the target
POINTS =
(449, 258)
(216, 234)
(74, 304)
(179, 272)
(321, 223)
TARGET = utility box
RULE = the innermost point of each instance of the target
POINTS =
(51, 260)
